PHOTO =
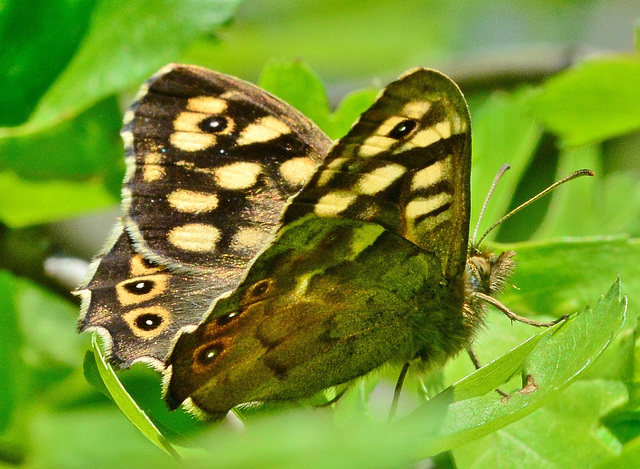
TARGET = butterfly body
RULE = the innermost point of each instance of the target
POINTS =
(369, 267)
(372, 298)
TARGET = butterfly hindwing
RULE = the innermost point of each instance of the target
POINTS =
(359, 274)
(211, 161)
(138, 306)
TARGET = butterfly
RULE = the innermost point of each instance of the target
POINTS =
(211, 161)
(372, 265)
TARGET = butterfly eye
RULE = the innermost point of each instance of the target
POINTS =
(402, 129)
(214, 124)
(148, 321)
(206, 355)
(140, 287)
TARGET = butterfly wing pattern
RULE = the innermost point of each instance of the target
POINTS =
(368, 267)
(211, 161)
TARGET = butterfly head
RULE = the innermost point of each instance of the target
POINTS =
(487, 272)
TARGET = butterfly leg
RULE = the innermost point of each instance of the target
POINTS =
(396, 391)
(335, 399)
(478, 365)
(513, 316)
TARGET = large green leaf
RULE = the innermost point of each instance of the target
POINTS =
(298, 85)
(149, 34)
(31, 202)
(548, 362)
(38, 40)
(594, 101)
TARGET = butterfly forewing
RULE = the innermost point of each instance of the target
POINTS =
(404, 165)
(211, 161)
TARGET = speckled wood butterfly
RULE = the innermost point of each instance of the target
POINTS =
(310, 284)
(371, 265)
(211, 161)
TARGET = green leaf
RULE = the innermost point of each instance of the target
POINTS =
(541, 440)
(591, 102)
(48, 323)
(91, 438)
(36, 46)
(298, 85)
(549, 362)
(149, 34)
(28, 202)
(11, 340)
(127, 405)
(628, 457)
(74, 149)
(609, 201)
(556, 278)
(348, 111)
(501, 115)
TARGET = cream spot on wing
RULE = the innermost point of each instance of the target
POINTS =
(241, 175)
(416, 109)
(207, 105)
(430, 175)
(297, 171)
(374, 145)
(188, 165)
(249, 239)
(429, 136)
(152, 169)
(190, 141)
(188, 201)
(422, 206)
(379, 142)
(139, 267)
(379, 179)
(389, 124)
(459, 126)
(148, 323)
(328, 173)
(142, 91)
(188, 122)
(265, 129)
(195, 237)
(333, 203)
(128, 116)
(127, 138)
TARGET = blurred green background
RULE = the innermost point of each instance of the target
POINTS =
(553, 86)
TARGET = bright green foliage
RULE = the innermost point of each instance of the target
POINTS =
(596, 100)
(50, 416)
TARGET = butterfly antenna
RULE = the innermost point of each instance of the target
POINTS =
(503, 169)
(575, 174)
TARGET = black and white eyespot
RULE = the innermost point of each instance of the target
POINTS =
(140, 287)
(227, 318)
(207, 354)
(148, 321)
(214, 124)
(402, 129)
